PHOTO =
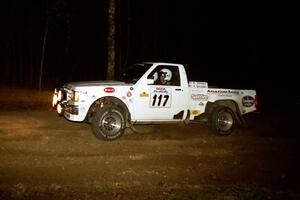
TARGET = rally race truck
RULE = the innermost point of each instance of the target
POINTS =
(140, 98)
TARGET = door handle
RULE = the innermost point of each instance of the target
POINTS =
(178, 89)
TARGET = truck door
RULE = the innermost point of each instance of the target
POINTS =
(163, 100)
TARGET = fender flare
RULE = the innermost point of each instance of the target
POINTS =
(108, 100)
(229, 103)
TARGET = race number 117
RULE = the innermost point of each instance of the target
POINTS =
(160, 100)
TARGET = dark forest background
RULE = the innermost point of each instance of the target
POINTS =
(250, 45)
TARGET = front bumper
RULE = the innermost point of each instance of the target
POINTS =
(62, 105)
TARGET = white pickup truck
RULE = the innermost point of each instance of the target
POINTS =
(140, 98)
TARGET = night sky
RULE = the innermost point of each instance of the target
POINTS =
(248, 45)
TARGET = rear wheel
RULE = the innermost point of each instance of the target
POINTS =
(222, 120)
(108, 123)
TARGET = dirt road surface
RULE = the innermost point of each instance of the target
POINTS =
(44, 156)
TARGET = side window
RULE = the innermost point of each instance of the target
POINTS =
(165, 75)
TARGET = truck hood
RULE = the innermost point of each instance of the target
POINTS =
(73, 85)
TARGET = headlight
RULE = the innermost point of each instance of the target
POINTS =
(59, 109)
(54, 100)
(59, 95)
(75, 96)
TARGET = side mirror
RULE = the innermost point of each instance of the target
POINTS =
(150, 81)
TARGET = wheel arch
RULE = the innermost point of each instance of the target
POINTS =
(108, 100)
(227, 103)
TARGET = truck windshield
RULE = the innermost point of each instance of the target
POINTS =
(135, 72)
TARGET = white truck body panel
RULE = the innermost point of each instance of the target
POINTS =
(159, 102)
(199, 96)
(91, 91)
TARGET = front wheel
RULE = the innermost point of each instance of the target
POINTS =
(108, 123)
(222, 120)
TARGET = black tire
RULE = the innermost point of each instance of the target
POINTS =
(222, 120)
(108, 123)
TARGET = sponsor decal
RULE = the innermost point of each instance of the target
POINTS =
(109, 89)
(199, 97)
(195, 112)
(161, 97)
(129, 94)
(248, 101)
(161, 90)
(216, 91)
(194, 84)
(144, 94)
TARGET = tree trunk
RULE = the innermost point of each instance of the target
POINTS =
(12, 55)
(111, 54)
(44, 48)
(127, 33)
(43, 56)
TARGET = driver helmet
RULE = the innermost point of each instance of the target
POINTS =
(168, 74)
